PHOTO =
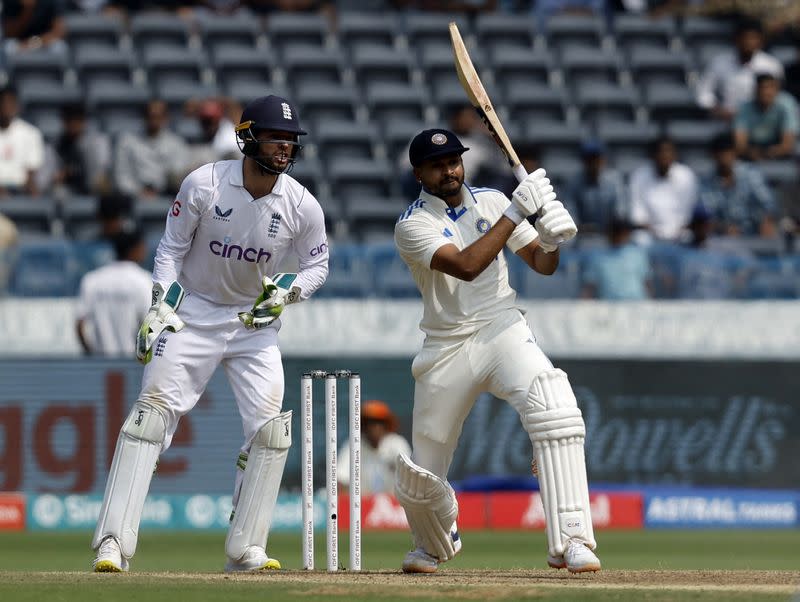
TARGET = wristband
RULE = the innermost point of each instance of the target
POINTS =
(513, 213)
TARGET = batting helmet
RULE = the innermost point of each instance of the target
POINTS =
(268, 113)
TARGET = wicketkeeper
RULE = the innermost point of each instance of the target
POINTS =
(478, 340)
(214, 302)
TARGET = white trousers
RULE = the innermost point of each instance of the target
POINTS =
(502, 358)
(183, 363)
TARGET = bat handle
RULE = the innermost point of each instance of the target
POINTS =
(519, 172)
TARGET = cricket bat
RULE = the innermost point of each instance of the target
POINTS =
(480, 100)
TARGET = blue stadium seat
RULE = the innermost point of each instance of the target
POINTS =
(693, 137)
(320, 102)
(392, 276)
(521, 66)
(315, 65)
(586, 65)
(91, 255)
(775, 278)
(43, 101)
(119, 107)
(308, 171)
(627, 142)
(397, 136)
(496, 30)
(353, 179)
(565, 283)
(113, 65)
(37, 66)
(241, 30)
(641, 31)
(374, 218)
(350, 273)
(30, 215)
(346, 139)
(533, 102)
(653, 64)
(379, 65)
(44, 267)
(236, 65)
(152, 30)
(437, 65)
(177, 93)
(565, 30)
(598, 102)
(707, 36)
(245, 91)
(93, 30)
(387, 102)
(668, 101)
(427, 32)
(288, 31)
(79, 217)
(364, 29)
(166, 66)
(780, 172)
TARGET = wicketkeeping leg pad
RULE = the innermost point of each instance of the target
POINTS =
(263, 472)
(431, 509)
(555, 426)
(138, 447)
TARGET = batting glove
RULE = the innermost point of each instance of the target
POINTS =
(159, 318)
(555, 226)
(533, 193)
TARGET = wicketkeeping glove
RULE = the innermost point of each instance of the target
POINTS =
(555, 226)
(161, 317)
(270, 303)
(533, 193)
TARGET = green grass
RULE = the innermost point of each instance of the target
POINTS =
(497, 565)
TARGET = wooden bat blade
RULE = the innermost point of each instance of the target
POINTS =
(478, 97)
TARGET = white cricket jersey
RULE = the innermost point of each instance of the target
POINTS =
(454, 307)
(113, 302)
(219, 241)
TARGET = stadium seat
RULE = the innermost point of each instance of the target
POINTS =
(92, 30)
(113, 65)
(707, 37)
(586, 65)
(565, 283)
(313, 65)
(35, 67)
(308, 171)
(151, 215)
(91, 255)
(79, 217)
(428, 32)
(30, 215)
(177, 93)
(360, 29)
(44, 267)
(287, 30)
(354, 179)
(374, 218)
(235, 65)
(652, 64)
(779, 172)
(496, 30)
(245, 91)
(437, 65)
(397, 136)
(520, 66)
(349, 273)
(641, 31)
(448, 95)
(167, 66)
(379, 65)
(346, 139)
(610, 102)
(627, 142)
(665, 259)
(534, 102)
(240, 30)
(775, 278)
(565, 30)
(320, 102)
(668, 101)
(555, 138)
(151, 30)
(693, 137)
(387, 103)
(392, 276)
(43, 101)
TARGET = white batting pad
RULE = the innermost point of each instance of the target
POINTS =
(431, 508)
(262, 478)
(555, 425)
(138, 447)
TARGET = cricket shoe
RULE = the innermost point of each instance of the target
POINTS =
(419, 561)
(109, 557)
(577, 558)
(254, 559)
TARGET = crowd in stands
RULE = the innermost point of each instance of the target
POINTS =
(715, 177)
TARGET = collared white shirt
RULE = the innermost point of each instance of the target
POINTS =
(113, 302)
(733, 82)
(453, 307)
(663, 204)
(219, 242)
(21, 151)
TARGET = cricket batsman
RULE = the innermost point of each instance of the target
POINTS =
(477, 340)
(232, 224)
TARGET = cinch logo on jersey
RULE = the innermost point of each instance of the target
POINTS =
(237, 252)
(319, 250)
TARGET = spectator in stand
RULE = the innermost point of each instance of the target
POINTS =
(82, 155)
(767, 126)
(662, 194)
(729, 79)
(596, 195)
(383, 444)
(621, 272)
(114, 299)
(735, 195)
(218, 140)
(150, 165)
(33, 25)
(484, 159)
(21, 148)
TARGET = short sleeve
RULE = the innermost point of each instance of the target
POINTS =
(418, 240)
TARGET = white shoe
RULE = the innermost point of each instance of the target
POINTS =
(577, 558)
(419, 561)
(254, 559)
(109, 557)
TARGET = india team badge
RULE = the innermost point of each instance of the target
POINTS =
(439, 138)
(482, 224)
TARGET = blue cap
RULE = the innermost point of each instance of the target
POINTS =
(432, 143)
(270, 113)
(592, 148)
